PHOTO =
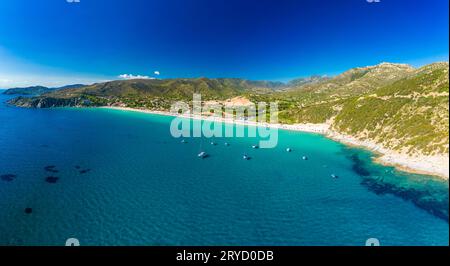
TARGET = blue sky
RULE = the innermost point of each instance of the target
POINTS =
(53, 42)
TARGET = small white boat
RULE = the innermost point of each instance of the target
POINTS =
(227, 144)
(334, 176)
(288, 149)
(183, 141)
(245, 157)
(202, 154)
(304, 158)
(213, 143)
(255, 146)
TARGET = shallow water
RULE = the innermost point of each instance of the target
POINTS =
(124, 180)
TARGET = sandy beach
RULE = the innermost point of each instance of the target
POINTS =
(437, 165)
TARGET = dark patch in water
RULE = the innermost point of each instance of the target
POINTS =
(8, 177)
(28, 210)
(421, 198)
(432, 197)
(77, 167)
(359, 166)
(84, 171)
(51, 179)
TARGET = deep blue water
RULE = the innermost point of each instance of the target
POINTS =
(143, 187)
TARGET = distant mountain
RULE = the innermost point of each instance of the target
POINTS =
(37, 90)
(220, 88)
(151, 93)
(358, 80)
(72, 86)
(400, 107)
(308, 80)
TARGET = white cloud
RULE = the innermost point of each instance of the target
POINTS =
(156, 73)
(131, 76)
(4, 83)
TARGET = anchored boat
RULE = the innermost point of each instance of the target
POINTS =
(202, 155)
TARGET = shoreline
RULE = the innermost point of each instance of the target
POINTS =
(436, 165)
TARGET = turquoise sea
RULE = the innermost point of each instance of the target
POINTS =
(122, 179)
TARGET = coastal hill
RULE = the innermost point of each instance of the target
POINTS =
(37, 90)
(33, 90)
(410, 115)
(395, 105)
(155, 94)
(402, 108)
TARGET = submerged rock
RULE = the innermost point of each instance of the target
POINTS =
(434, 203)
(8, 177)
(51, 179)
(84, 171)
(359, 166)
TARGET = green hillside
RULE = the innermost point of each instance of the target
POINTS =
(411, 114)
